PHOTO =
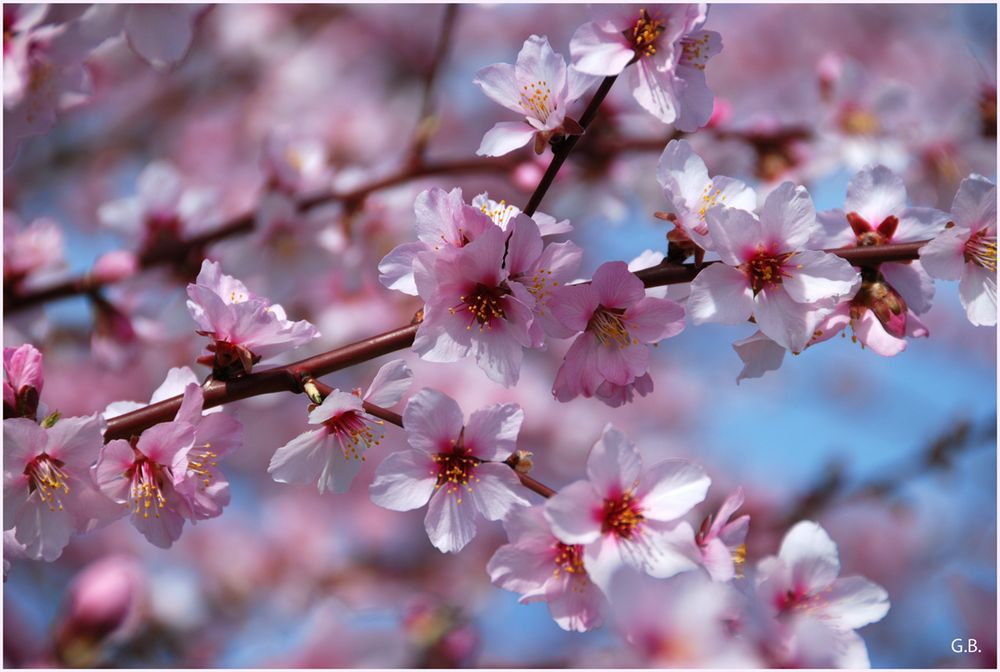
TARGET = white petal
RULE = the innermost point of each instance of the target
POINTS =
(505, 137)
(450, 521)
(818, 276)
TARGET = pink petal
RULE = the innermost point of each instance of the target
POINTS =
(499, 83)
(621, 365)
(433, 421)
(654, 91)
(596, 52)
(975, 204)
(505, 137)
(450, 521)
(616, 287)
(811, 557)
(854, 602)
(161, 442)
(574, 306)
(23, 441)
(76, 441)
(818, 275)
(871, 332)
(788, 218)
(44, 533)
(759, 354)
(396, 268)
(404, 481)
(978, 294)
(735, 234)
(109, 473)
(161, 34)
(669, 489)
(786, 322)
(573, 513)
(614, 464)
(495, 491)
(651, 319)
(720, 293)
(390, 384)
(943, 257)
(302, 459)
(913, 284)
(875, 193)
(491, 433)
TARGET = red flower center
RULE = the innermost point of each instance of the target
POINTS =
(483, 305)
(47, 477)
(766, 269)
(622, 516)
(456, 470)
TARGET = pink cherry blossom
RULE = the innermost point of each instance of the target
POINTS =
(541, 568)
(502, 212)
(875, 213)
(683, 621)
(617, 321)
(444, 222)
(217, 434)
(721, 540)
(245, 328)
(456, 469)
(18, 22)
(627, 514)
(145, 477)
(669, 52)
(29, 252)
(293, 161)
(690, 192)
(538, 86)
(473, 306)
(164, 208)
(968, 251)
(767, 271)
(22, 381)
(333, 453)
(800, 588)
(48, 492)
(878, 317)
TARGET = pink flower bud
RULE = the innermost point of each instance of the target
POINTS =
(115, 266)
(22, 381)
(104, 602)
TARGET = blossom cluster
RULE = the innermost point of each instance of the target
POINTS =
(61, 478)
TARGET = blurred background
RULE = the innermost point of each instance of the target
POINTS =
(895, 457)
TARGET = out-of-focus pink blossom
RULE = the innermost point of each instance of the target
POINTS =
(164, 208)
(245, 328)
(721, 540)
(48, 492)
(617, 321)
(293, 161)
(668, 50)
(800, 588)
(458, 469)
(115, 266)
(627, 514)
(767, 271)
(690, 192)
(968, 251)
(30, 250)
(23, 379)
(539, 86)
(333, 453)
(683, 621)
(161, 34)
(542, 568)
(103, 604)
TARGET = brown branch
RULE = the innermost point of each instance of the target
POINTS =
(177, 251)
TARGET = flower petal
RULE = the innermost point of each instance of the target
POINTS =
(404, 481)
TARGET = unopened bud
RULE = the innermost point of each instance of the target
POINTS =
(522, 461)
